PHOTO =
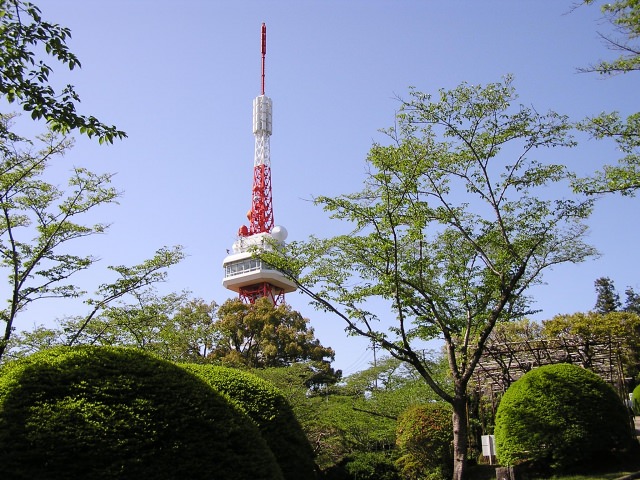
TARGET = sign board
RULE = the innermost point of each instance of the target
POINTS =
(489, 447)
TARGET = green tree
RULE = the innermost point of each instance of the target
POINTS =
(607, 299)
(391, 386)
(261, 335)
(635, 403)
(39, 221)
(517, 331)
(454, 224)
(632, 301)
(24, 75)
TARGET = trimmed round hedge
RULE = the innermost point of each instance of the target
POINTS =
(424, 437)
(635, 402)
(271, 412)
(115, 413)
(560, 417)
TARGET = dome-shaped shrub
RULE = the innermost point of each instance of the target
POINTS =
(424, 437)
(635, 402)
(268, 408)
(113, 413)
(560, 416)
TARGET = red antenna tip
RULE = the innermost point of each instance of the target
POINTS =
(264, 51)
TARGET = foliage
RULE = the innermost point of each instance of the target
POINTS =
(106, 413)
(40, 220)
(624, 177)
(517, 331)
(607, 299)
(131, 281)
(632, 302)
(636, 400)
(371, 466)
(38, 223)
(353, 421)
(24, 75)
(588, 329)
(266, 406)
(173, 326)
(390, 387)
(260, 335)
(332, 426)
(624, 16)
(561, 416)
(454, 224)
(37, 218)
(425, 442)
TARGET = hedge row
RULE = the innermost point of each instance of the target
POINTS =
(106, 413)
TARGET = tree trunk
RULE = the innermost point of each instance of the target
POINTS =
(460, 434)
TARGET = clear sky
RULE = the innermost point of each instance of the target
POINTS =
(180, 77)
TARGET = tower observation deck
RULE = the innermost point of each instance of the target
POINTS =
(244, 272)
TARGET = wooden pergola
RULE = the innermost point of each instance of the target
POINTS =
(502, 364)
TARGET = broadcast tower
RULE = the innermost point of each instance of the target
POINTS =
(244, 273)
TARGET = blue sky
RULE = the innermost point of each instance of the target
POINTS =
(180, 77)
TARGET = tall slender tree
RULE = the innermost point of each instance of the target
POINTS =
(454, 224)
(632, 301)
(39, 221)
(607, 299)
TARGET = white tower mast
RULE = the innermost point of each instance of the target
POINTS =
(244, 273)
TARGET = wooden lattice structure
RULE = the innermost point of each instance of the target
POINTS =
(502, 364)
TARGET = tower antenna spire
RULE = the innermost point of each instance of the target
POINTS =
(264, 53)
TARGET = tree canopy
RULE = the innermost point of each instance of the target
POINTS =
(624, 17)
(260, 335)
(623, 177)
(24, 73)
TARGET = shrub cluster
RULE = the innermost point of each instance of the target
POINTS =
(425, 442)
(560, 416)
(268, 408)
(107, 413)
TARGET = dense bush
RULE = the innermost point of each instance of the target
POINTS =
(359, 465)
(425, 442)
(371, 466)
(560, 416)
(636, 400)
(113, 413)
(268, 408)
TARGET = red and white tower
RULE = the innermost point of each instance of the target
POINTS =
(244, 273)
